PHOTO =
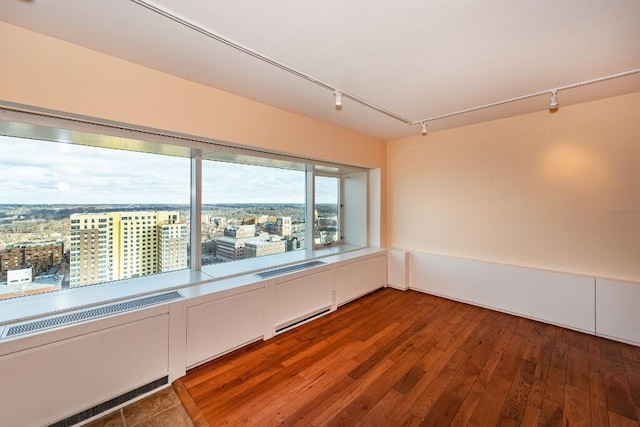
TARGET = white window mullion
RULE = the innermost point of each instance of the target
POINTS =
(196, 213)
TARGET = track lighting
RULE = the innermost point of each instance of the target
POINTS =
(423, 128)
(338, 96)
(553, 104)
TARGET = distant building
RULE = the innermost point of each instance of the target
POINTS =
(94, 255)
(263, 248)
(295, 241)
(280, 226)
(19, 276)
(231, 248)
(21, 282)
(172, 242)
(138, 244)
(283, 226)
(121, 245)
(39, 256)
(240, 231)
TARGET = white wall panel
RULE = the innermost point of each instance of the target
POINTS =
(354, 229)
(558, 298)
(359, 278)
(375, 208)
(296, 299)
(220, 325)
(50, 382)
(398, 269)
(618, 310)
(48, 376)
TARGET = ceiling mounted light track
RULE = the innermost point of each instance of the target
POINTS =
(342, 94)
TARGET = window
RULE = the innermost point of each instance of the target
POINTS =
(110, 208)
(327, 210)
(49, 186)
(251, 211)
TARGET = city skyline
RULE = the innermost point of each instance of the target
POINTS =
(42, 172)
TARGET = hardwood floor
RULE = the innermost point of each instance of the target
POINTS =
(398, 358)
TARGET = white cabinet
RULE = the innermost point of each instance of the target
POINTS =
(220, 325)
(360, 277)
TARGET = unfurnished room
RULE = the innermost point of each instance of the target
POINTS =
(319, 213)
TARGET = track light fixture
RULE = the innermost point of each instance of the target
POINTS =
(338, 96)
(553, 104)
(423, 128)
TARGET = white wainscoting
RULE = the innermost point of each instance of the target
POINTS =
(618, 310)
(562, 299)
(49, 376)
(301, 297)
(360, 277)
(223, 324)
(398, 269)
(73, 369)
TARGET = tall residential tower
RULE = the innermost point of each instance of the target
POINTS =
(121, 245)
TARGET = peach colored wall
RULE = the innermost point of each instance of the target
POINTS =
(41, 71)
(45, 72)
(558, 191)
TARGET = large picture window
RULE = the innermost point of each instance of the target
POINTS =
(81, 208)
(74, 215)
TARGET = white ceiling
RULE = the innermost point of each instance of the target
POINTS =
(415, 58)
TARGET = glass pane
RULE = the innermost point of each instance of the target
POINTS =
(73, 215)
(250, 211)
(327, 212)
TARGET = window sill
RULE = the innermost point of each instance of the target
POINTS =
(47, 304)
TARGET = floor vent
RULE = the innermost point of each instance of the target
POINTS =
(89, 314)
(293, 323)
(109, 404)
(289, 269)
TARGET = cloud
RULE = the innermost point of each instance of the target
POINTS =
(238, 183)
(41, 172)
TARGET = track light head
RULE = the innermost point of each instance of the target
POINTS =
(338, 96)
(553, 104)
(423, 128)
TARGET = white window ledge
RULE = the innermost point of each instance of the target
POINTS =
(52, 303)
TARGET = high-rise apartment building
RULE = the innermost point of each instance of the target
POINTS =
(94, 253)
(121, 245)
(173, 237)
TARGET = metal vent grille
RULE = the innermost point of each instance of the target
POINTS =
(93, 313)
(292, 323)
(116, 401)
(289, 269)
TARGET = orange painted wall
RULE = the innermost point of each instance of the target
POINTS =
(41, 71)
(558, 191)
(45, 72)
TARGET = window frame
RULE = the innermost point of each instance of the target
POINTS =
(340, 206)
(41, 124)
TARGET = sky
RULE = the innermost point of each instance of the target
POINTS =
(39, 172)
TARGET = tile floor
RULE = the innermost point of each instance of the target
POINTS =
(163, 408)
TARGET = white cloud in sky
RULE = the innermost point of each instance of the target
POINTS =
(39, 172)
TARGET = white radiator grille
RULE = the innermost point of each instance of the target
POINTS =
(89, 314)
(289, 269)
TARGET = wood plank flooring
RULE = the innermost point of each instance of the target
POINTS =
(398, 358)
